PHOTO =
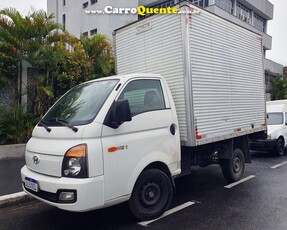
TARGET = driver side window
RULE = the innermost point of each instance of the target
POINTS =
(144, 96)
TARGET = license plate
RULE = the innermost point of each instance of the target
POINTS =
(31, 184)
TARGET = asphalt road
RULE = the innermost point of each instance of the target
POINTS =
(258, 203)
(10, 176)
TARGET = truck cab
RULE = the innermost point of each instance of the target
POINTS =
(102, 140)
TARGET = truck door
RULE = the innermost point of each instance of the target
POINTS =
(129, 148)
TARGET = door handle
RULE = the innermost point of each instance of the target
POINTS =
(172, 129)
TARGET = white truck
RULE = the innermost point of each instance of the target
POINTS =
(276, 140)
(127, 137)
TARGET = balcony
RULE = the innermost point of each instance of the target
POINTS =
(262, 7)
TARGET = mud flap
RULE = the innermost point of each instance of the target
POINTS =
(226, 150)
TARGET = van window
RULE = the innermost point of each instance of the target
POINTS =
(144, 96)
(274, 118)
(81, 104)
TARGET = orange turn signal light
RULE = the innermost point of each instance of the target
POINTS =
(112, 149)
(77, 151)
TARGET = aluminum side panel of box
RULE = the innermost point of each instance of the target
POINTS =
(158, 50)
(227, 79)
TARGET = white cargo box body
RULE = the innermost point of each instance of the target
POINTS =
(213, 67)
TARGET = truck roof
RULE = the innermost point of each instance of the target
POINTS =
(181, 4)
(276, 106)
(129, 76)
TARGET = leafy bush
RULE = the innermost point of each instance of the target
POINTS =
(279, 88)
(15, 125)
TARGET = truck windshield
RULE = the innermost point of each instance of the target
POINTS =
(80, 105)
(274, 118)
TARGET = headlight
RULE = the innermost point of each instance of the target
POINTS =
(75, 162)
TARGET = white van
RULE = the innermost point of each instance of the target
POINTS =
(276, 128)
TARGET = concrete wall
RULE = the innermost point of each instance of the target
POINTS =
(12, 151)
(7, 93)
(6, 97)
(273, 67)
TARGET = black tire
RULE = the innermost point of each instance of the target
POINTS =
(279, 147)
(151, 195)
(233, 168)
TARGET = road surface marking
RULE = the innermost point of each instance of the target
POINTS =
(239, 182)
(279, 165)
(168, 212)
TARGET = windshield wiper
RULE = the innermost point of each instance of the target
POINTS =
(62, 122)
(45, 126)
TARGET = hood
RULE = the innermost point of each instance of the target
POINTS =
(49, 148)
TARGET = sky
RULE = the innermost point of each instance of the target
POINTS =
(277, 27)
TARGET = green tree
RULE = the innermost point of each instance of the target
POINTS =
(99, 54)
(8, 65)
(13, 32)
(70, 62)
(25, 35)
(279, 88)
(67, 61)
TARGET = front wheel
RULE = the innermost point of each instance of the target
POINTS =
(151, 195)
(279, 147)
(233, 168)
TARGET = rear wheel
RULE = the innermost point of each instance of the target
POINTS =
(151, 195)
(279, 147)
(233, 168)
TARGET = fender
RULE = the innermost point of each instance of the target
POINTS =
(147, 160)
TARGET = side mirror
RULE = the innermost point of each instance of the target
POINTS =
(119, 113)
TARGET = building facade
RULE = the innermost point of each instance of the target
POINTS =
(78, 18)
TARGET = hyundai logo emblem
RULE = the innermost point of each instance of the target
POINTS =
(36, 160)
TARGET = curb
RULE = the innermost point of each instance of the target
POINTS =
(12, 151)
(15, 198)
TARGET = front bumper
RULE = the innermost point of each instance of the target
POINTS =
(89, 192)
(263, 145)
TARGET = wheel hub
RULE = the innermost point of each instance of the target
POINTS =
(237, 165)
(150, 194)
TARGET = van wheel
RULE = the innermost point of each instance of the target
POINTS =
(279, 147)
(233, 168)
(151, 195)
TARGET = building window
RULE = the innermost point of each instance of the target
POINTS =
(64, 2)
(201, 3)
(93, 2)
(64, 21)
(166, 4)
(259, 22)
(226, 5)
(85, 34)
(94, 31)
(85, 5)
(243, 13)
